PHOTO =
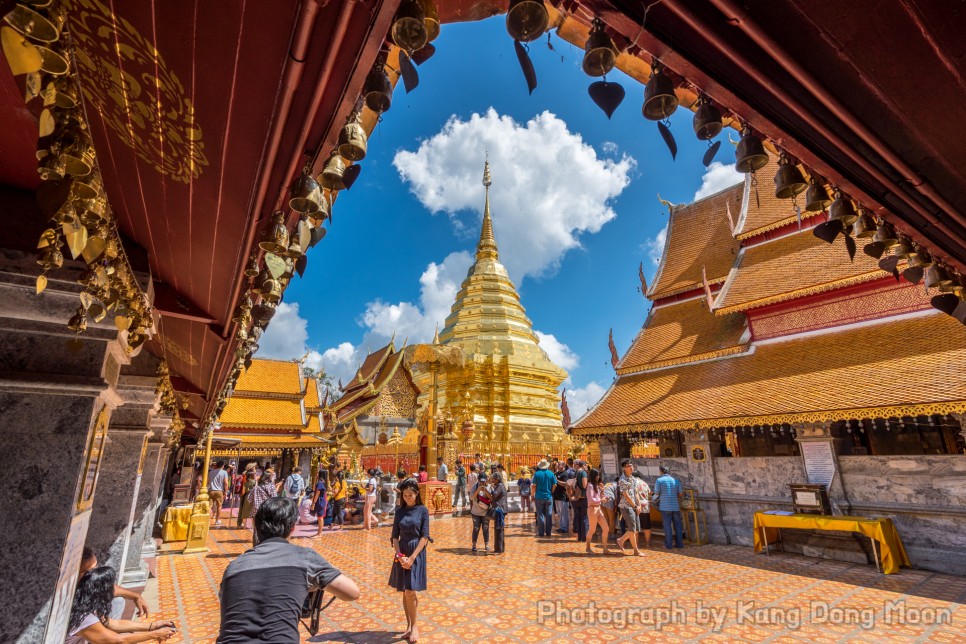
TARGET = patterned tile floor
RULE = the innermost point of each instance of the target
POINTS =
(547, 590)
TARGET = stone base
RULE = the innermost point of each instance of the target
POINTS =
(132, 578)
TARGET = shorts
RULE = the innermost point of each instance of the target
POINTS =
(631, 519)
(645, 519)
(217, 498)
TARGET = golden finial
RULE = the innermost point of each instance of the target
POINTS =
(665, 202)
(436, 334)
(486, 171)
(486, 248)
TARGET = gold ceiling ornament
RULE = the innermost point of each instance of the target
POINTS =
(71, 193)
(353, 141)
(275, 238)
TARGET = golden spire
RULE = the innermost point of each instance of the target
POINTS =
(486, 248)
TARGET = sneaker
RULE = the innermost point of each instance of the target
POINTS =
(486, 548)
(474, 548)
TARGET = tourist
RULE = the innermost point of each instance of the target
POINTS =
(480, 468)
(472, 477)
(608, 504)
(595, 516)
(354, 504)
(579, 504)
(262, 492)
(645, 492)
(410, 534)
(337, 497)
(441, 470)
(459, 490)
(264, 589)
(667, 489)
(423, 476)
(90, 614)
(498, 511)
(294, 486)
(217, 484)
(524, 484)
(560, 500)
(544, 483)
(479, 509)
(504, 477)
(320, 500)
(245, 510)
(372, 490)
(630, 507)
(88, 562)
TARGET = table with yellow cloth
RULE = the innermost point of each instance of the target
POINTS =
(891, 552)
(174, 525)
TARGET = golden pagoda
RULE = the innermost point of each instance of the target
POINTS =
(506, 384)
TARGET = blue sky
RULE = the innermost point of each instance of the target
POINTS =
(578, 194)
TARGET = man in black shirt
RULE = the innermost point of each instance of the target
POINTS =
(263, 590)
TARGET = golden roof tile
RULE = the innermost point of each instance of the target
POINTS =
(761, 210)
(698, 236)
(262, 412)
(312, 394)
(683, 332)
(254, 440)
(271, 376)
(790, 267)
(900, 367)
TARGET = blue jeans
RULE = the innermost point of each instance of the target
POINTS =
(563, 509)
(544, 517)
(667, 517)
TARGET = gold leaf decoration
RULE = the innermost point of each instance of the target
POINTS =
(97, 311)
(41, 283)
(122, 322)
(275, 264)
(76, 241)
(86, 299)
(94, 249)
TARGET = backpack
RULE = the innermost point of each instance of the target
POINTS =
(293, 487)
(574, 493)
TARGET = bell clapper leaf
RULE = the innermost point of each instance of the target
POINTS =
(526, 65)
(665, 131)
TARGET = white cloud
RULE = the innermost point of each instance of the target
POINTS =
(608, 147)
(583, 398)
(655, 246)
(549, 186)
(716, 178)
(286, 335)
(560, 354)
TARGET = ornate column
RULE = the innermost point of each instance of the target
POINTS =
(820, 455)
(56, 398)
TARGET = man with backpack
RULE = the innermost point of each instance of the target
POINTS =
(294, 484)
(577, 495)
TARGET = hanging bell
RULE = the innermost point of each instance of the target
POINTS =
(842, 209)
(275, 238)
(922, 259)
(79, 158)
(294, 248)
(408, 29)
(51, 258)
(263, 313)
(864, 225)
(905, 249)
(252, 269)
(78, 321)
(269, 288)
(352, 139)
(304, 195)
(331, 176)
(244, 309)
(600, 54)
(750, 154)
(789, 180)
(660, 101)
(432, 19)
(707, 120)
(817, 199)
(526, 20)
(377, 91)
(885, 234)
(936, 277)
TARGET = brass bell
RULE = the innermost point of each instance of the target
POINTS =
(294, 248)
(789, 180)
(79, 158)
(408, 29)
(263, 313)
(885, 234)
(53, 168)
(377, 91)
(432, 19)
(325, 210)
(304, 195)
(78, 322)
(864, 225)
(331, 176)
(817, 199)
(244, 310)
(660, 101)
(750, 154)
(252, 269)
(905, 249)
(51, 258)
(269, 288)
(842, 209)
(275, 238)
(600, 54)
(526, 20)
(936, 277)
(352, 139)
(707, 120)
(32, 24)
(921, 259)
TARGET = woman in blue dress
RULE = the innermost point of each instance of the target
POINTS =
(410, 534)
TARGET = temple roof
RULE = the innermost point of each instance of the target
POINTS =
(683, 332)
(312, 399)
(791, 267)
(899, 367)
(761, 211)
(698, 236)
(271, 377)
(262, 412)
(363, 392)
